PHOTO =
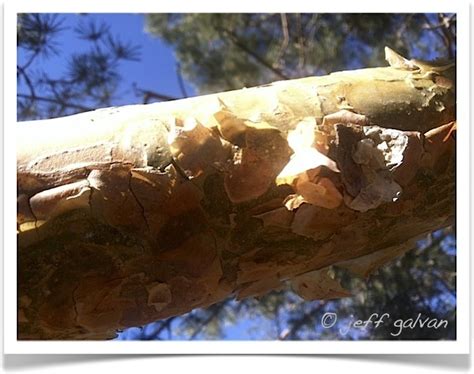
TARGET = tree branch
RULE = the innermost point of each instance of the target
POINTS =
(281, 197)
(235, 40)
(180, 81)
(440, 32)
(27, 79)
(148, 95)
(55, 101)
(301, 43)
(286, 37)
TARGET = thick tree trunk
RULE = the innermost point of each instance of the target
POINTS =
(133, 214)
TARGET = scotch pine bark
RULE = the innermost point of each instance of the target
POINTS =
(132, 214)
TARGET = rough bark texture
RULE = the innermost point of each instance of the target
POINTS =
(129, 215)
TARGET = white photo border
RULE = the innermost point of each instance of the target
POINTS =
(460, 346)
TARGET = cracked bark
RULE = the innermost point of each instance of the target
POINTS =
(145, 212)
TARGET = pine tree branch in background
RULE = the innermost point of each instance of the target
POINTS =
(213, 311)
(301, 43)
(163, 325)
(149, 94)
(284, 42)
(447, 36)
(91, 79)
(442, 32)
(180, 81)
(28, 82)
(238, 43)
(79, 107)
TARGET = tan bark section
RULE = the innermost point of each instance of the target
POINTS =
(128, 215)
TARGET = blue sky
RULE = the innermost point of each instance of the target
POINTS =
(155, 71)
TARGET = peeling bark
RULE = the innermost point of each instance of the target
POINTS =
(133, 214)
